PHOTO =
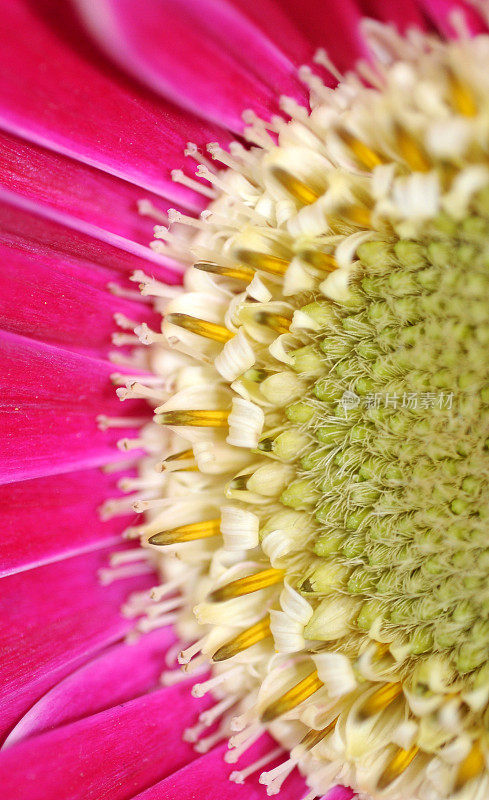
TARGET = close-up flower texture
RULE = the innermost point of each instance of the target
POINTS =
(244, 327)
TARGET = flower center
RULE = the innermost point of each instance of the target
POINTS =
(394, 441)
(325, 428)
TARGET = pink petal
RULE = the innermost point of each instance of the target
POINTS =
(211, 56)
(58, 246)
(49, 402)
(57, 616)
(115, 754)
(339, 793)
(47, 303)
(207, 778)
(52, 518)
(439, 11)
(90, 199)
(333, 25)
(56, 91)
(404, 14)
(118, 675)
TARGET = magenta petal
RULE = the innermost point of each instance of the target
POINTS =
(403, 13)
(334, 25)
(209, 56)
(56, 246)
(49, 402)
(89, 198)
(118, 675)
(56, 91)
(207, 778)
(439, 11)
(115, 754)
(48, 519)
(60, 307)
(339, 793)
(58, 616)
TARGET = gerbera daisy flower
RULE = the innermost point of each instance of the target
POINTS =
(304, 429)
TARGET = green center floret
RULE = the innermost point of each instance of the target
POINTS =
(398, 473)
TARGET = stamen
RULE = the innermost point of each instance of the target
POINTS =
(461, 97)
(127, 556)
(277, 322)
(177, 466)
(147, 209)
(241, 742)
(183, 455)
(157, 592)
(298, 189)
(184, 460)
(178, 176)
(187, 533)
(204, 745)
(186, 655)
(314, 82)
(201, 419)
(192, 734)
(300, 692)
(411, 151)
(249, 637)
(319, 260)
(116, 507)
(127, 484)
(363, 153)
(174, 676)
(380, 699)
(313, 738)
(256, 130)
(124, 322)
(130, 444)
(247, 585)
(136, 604)
(397, 766)
(210, 330)
(105, 422)
(203, 172)
(200, 689)
(238, 273)
(274, 778)
(123, 379)
(136, 391)
(321, 57)
(121, 339)
(170, 247)
(134, 531)
(239, 776)
(154, 502)
(368, 73)
(127, 294)
(210, 716)
(150, 286)
(294, 110)
(263, 261)
(359, 215)
(146, 625)
(184, 219)
(193, 152)
(164, 607)
(381, 649)
(133, 360)
(470, 768)
(109, 574)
